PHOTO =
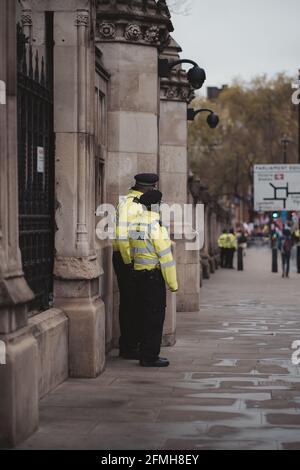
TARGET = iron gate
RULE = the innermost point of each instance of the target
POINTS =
(36, 166)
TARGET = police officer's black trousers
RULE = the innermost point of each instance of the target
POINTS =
(128, 310)
(230, 256)
(152, 307)
(285, 258)
(223, 257)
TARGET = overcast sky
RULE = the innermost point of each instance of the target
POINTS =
(241, 38)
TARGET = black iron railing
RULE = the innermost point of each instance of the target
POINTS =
(36, 168)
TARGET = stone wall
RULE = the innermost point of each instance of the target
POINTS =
(216, 218)
(175, 94)
(19, 376)
(113, 118)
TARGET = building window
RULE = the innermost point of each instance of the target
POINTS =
(100, 145)
(99, 183)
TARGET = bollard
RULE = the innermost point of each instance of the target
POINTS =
(298, 259)
(274, 260)
(240, 260)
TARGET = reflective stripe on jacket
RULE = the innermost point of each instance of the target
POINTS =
(297, 236)
(151, 247)
(126, 212)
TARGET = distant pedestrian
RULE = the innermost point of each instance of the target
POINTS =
(241, 239)
(296, 236)
(232, 247)
(242, 245)
(222, 243)
(285, 245)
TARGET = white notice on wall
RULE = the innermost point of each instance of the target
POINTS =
(40, 160)
(2, 92)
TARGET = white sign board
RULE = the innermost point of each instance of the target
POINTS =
(296, 84)
(276, 188)
(40, 160)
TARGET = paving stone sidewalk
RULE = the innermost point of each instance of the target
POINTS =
(231, 383)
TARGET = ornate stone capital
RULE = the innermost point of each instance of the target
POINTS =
(82, 18)
(145, 22)
(26, 18)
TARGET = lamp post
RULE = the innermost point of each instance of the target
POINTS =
(274, 241)
(196, 75)
(212, 119)
(299, 122)
(285, 141)
(296, 86)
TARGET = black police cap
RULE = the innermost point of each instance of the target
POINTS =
(150, 198)
(147, 179)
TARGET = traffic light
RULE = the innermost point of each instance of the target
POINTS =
(275, 215)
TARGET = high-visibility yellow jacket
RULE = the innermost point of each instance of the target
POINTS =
(297, 235)
(126, 212)
(151, 247)
(222, 241)
(232, 242)
(227, 240)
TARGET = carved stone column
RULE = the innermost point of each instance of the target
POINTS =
(130, 36)
(211, 240)
(18, 377)
(175, 94)
(77, 270)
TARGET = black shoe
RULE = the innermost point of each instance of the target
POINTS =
(131, 355)
(160, 362)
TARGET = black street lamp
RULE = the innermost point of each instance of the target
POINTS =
(296, 85)
(285, 141)
(196, 75)
(212, 119)
(299, 124)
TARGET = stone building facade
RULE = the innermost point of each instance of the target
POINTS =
(84, 73)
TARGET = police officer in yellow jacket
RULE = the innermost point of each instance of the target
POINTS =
(222, 243)
(154, 267)
(232, 247)
(128, 208)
